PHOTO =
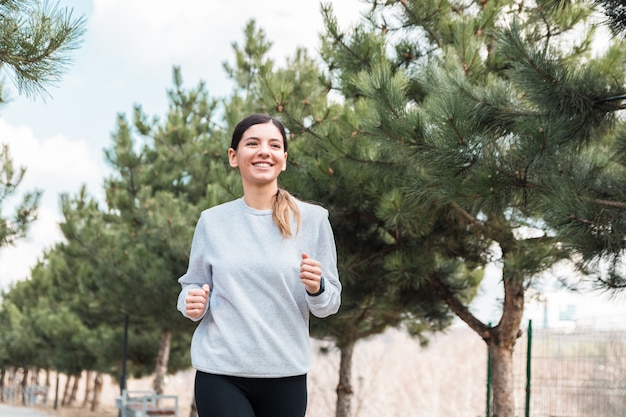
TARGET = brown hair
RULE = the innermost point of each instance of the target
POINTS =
(284, 203)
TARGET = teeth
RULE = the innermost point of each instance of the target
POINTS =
(262, 164)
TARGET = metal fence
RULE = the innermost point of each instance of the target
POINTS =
(575, 372)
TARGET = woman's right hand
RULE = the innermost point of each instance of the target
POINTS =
(196, 301)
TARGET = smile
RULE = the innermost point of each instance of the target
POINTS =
(262, 164)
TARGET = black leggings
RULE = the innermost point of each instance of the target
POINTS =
(230, 396)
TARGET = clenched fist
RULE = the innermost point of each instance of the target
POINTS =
(196, 301)
(310, 274)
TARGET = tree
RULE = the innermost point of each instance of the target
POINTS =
(492, 107)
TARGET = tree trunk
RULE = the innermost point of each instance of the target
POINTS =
(87, 389)
(194, 410)
(97, 390)
(502, 381)
(74, 391)
(162, 361)
(3, 373)
(56, 391)
(24, 383)
(66, 391)
(344, 388)
(501, 348)
(500, 339)
(34, 376)
(48, 385)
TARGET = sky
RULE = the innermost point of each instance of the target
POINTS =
(127, 56)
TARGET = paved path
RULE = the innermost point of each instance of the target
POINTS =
(17, 411)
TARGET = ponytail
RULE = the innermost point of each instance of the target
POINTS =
(284, 206)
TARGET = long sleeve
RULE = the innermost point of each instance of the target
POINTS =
(328, 302)
(198, 272)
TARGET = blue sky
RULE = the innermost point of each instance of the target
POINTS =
(127, 58)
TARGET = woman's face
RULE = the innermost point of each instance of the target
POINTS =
(260, 155)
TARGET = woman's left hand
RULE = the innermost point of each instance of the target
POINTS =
(310, 273)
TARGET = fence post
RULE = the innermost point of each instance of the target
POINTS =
(124, 358)
(488, 407)
(528, 364)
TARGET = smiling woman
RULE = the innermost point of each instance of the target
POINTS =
(258, 267)
(260, 154)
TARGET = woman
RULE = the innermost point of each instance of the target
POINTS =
(258, 265)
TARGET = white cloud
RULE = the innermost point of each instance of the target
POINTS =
(156, 31)
(135, 36)
(53, 165)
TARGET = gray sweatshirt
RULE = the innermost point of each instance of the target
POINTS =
(257, 318)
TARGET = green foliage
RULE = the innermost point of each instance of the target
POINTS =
(36, 40)
(16, 225)
(495, 127)
(508, 135)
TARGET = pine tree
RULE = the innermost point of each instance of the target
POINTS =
(506, 132)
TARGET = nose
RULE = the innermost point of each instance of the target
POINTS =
(263, 149)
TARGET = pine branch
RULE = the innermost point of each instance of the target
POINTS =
(311, 129)
(512, 40)
(615, 11)
(422, 22)
(35, 44)
(614, 283)
(478, 226)
(338, 37)
(612, 99)
(603, 202)
(448, 296)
